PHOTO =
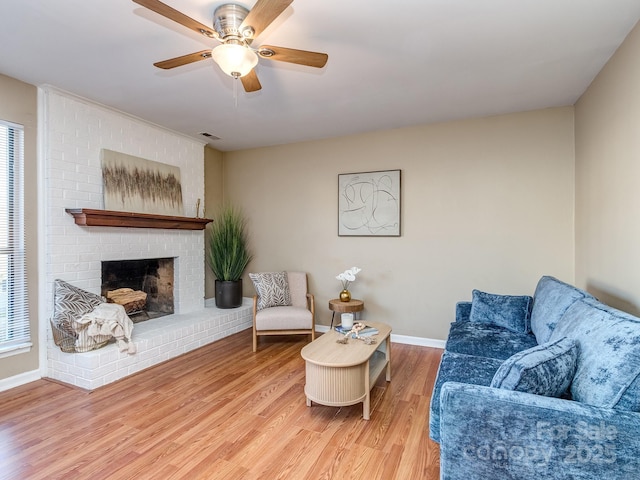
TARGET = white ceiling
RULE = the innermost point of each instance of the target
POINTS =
(391, 64)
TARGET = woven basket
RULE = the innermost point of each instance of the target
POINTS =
(63, 339)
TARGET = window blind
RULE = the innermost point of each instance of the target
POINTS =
(14, 314)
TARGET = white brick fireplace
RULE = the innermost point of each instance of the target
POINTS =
(75, 131)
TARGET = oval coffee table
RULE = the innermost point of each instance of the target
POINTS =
(343, 374)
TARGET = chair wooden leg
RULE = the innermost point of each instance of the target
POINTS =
(255, 337)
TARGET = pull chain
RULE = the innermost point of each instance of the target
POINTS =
(235, 92)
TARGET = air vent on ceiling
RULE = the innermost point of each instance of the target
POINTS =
(209, 136)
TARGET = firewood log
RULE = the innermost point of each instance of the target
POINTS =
(131, 300)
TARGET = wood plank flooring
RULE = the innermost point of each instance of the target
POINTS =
(222, 412)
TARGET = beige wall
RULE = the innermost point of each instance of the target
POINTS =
(607, 179)
(486, 203)
(19, 104)
(213, 198)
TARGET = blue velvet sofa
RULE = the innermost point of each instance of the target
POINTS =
(539, 387)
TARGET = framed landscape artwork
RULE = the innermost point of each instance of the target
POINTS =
(369, 204)
(133, 184)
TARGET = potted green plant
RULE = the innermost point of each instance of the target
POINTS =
(228, 255)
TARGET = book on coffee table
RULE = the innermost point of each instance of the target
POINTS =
(365, 332)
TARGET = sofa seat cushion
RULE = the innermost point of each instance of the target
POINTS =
(284, 318)
(545, 369)
(486, 340)
(551, 300)
(508, 311)
(608, 367)
(461, 368)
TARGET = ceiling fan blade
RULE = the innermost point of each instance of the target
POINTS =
(183, 60)
(176, 16)
(250, 82)
(291, 55)
(262, 14)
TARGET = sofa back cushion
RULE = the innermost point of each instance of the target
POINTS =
(551, 300)
(507, 311)
(608, 366)
(545, 369)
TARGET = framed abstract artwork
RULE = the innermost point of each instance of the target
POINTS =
(133, 184)
(369, 204)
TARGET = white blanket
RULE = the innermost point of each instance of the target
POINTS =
(106, 321)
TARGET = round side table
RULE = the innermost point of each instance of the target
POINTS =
(352, 306)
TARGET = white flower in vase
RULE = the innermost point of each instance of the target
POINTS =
(348, 276)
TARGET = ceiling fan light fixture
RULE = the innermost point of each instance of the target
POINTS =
(234, 60)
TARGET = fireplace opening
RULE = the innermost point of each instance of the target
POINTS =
(144, 287)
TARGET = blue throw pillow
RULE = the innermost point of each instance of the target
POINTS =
(508, 311)
(546, 369)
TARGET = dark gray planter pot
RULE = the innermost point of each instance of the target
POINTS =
(228, 293)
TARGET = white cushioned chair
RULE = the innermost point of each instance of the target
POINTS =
(282, 305)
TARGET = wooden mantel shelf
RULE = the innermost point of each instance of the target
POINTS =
(87, 217)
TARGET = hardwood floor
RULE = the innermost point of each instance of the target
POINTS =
(222, 412)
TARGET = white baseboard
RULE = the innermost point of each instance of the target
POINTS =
(406, 339)
(420, 341)
(20, 379)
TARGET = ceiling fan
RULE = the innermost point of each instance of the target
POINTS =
(236, 27)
